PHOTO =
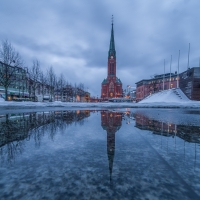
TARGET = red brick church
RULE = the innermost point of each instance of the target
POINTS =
(111, 87)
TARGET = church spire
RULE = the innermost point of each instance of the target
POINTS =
(112, 51)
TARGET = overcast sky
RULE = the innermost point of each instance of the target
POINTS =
(73, 36)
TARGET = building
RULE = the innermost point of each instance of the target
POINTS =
(14, 80)
(111, 87)
(158, 83)
(20, 86)
(188, 81)
(130, 93)
(39, 91)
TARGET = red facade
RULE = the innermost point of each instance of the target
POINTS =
(146, 87)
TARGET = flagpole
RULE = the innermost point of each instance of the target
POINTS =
(178, 71)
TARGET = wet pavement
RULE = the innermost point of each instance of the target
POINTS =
(100, 154)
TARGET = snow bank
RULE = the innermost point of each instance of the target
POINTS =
(1, 99)
(174, 95)
(173, 98)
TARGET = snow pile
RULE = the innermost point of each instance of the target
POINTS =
(172, 95)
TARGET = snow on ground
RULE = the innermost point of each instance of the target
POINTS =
(174, 95)
(173, 98)
(33, 105)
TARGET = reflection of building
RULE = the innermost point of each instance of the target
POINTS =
(15, 128)
(111, 87)
(111, 122)
(185, 132)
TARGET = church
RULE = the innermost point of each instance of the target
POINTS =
(111, 87)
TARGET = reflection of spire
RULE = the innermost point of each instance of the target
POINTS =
(110, 150)
(111, 122)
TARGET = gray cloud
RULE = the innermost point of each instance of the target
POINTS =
(73, 36)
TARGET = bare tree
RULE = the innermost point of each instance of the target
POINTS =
(43, 81)
(34, 75)
(75, 92)
(51, 81)
(81, 90)
(62, 84)
(57, 88)
(8, 56)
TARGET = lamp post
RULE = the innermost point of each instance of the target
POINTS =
(19, 83)
(177, 84)
(170, 73)
(25, 79)
(87, 95)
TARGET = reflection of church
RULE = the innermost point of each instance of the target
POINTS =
(111, 86)
(111, 122)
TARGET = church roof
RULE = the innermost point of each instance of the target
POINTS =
(112, 44)
(105, 81)
(118, 80)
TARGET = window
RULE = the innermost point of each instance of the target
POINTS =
(111, 68)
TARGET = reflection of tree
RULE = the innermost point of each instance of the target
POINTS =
(111, 122)
(14, 129)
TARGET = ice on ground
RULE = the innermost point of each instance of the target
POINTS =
(1, 99)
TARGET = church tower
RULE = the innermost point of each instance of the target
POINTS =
(111, 87)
